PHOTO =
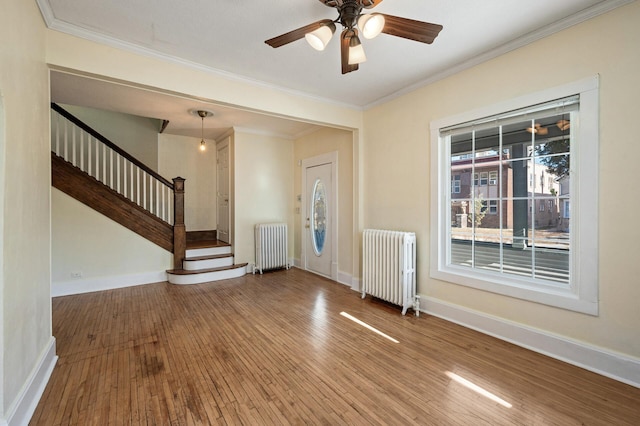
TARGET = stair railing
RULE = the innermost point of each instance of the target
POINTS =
(95, 155)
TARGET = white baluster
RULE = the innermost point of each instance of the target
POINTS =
(162, 210)
(97, 160)
(66, 151)
(111, 168)
(171, 195)
(138, 185)
(124, 176)
(73, 146)
(151, 200)
(144, 190)
(104, 164)
(89, 156)
(57, 133)
(131, 175)
(82, 151)
(118, 171)
(157, 213)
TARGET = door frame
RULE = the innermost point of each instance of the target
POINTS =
(225, 143)
(328, 158)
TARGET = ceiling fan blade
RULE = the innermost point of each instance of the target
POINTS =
(296, 34)
(423, 32)
(332, 3)
(345, 37)
(369, 4)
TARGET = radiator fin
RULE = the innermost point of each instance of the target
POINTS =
(388, 267)
(271, 246)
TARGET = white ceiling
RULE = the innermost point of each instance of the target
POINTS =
(227, 36)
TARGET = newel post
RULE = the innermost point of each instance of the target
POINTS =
(179, 231)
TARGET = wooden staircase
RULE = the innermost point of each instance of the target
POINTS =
(85, 170)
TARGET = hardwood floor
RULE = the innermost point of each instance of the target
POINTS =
(275, 349)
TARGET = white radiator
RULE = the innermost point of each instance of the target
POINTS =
(389, 267)
(271, 246)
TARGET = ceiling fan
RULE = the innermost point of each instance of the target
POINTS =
(351, 18)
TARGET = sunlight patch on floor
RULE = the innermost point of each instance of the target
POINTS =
(466, 383)
(367, 326)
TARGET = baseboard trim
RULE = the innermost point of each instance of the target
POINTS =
(342, 277)
(616, 366)
(22, 410)
(67, 288)
(345, 278)
(356, 284)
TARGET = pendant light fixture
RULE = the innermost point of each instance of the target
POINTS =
(202, 113)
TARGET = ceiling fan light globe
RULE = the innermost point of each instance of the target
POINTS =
(319, 38)
(356, 54)
(371, 25)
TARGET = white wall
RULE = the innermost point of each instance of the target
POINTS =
(321, 142)
(263, 175)
(397, 180)
(104, 253)
(138, 136)
(25, 312)
(181, 156)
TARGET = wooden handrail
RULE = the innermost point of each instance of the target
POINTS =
(110, 144)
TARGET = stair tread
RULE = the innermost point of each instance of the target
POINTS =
(210, 257)
(206, 244)
(204, 271)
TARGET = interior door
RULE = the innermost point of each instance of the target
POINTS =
(222, 193)
(319, 221)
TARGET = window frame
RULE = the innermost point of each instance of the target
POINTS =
(484, 178)
(493, 207)
(581, 294)
(493, 180)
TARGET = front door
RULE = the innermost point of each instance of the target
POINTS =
(318, 220)
(222, 193)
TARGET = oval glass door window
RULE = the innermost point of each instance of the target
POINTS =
(319, 215)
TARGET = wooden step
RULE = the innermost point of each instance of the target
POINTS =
(198, 276)
(201, 249)
(206, 243)
(207, 262)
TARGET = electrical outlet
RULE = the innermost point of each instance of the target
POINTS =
(76, 274)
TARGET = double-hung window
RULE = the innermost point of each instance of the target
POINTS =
(455, 184)
(541, 151)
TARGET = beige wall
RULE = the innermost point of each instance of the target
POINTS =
(263, 188)
(86, 242)
(25, 311)
(181, 156)
(397, 159)
(138, 136)
(321, 142)
(83, 56)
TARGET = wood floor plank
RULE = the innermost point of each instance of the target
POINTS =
(275, 349)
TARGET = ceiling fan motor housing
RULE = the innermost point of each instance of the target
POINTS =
(349, 12)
